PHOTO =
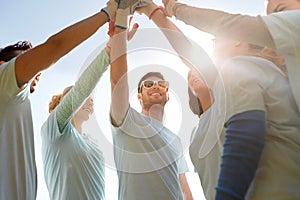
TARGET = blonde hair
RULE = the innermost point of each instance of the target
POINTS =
(55, 100)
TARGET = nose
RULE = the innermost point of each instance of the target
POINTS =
(155, 85)
(90, 102)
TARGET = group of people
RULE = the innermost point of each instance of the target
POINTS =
(247, 141)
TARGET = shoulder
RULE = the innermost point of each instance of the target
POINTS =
(285, 30)
(8, 83)
(7, 70)
(249, 66)
(240, 67)
(291, 16)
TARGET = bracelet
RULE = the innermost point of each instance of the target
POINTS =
(107, 14)
(156, 9)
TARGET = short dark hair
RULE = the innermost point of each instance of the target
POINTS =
(14, 50)
(149, 74)
(194, 103)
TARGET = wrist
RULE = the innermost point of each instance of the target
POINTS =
(176, 7)
(121, 19)
(148, 9)
(157, 9)
(110, 9)
(170, 7)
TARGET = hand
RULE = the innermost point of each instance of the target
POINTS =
(110, 9)
(146, 9)
(130, 33)
(133, 30)
(127, 7)
(131, 5)
(169, 6)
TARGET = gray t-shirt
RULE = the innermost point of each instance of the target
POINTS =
(148, 158)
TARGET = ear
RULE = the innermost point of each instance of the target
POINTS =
(168, 96)
(139, 96)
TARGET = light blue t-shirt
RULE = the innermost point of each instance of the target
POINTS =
(73, 164)
(148, 158)
(18, 179)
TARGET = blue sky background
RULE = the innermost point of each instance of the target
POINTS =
(36, 20)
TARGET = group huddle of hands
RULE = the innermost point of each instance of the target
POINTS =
(119, 10)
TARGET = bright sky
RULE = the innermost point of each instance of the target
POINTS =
(36, 20)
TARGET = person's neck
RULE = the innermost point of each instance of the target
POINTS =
(155, 111)
(78, 125)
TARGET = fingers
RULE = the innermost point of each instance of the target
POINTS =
(130, 20)
(132, 32)
(111, 28)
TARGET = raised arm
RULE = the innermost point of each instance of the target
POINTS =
(118, 70)
(191, 54)
(118, 77)
(44, 55)
(82, 89)
(176, 38)
(222, 24)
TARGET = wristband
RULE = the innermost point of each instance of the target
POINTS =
(156, 9)
(121, 27)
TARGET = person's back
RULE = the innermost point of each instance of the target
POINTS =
(18, 78)
(16, 126)
(261, 86)
(248, 85)
(16, 133)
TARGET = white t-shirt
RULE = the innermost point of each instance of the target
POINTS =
(251, 83)
(285, 30)
(18, 177)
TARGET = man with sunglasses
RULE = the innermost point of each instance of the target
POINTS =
(148, 156)
(20, 68)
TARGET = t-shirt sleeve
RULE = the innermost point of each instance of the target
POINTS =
(182, 165)
(50, 130)
(8, 84)
(82, 89)
(285, 30)
(134, 125)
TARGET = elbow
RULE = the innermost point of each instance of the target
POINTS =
(56, 47)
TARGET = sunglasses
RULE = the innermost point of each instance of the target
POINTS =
(149, 84)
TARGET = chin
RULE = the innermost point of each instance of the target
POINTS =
(86, 118)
